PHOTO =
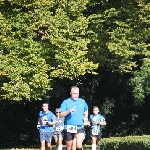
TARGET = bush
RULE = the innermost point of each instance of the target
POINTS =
(125, 143)
(114, 143)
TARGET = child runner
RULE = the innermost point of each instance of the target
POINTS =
(46, 121)
(96, 120)
(58, 130)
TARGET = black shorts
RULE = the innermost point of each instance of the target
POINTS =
(99, 136)
(70, 136)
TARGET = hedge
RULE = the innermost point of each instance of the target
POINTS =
(126, 143)
(121, 143)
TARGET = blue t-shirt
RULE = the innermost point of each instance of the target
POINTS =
(98, 118)
(59, 126)
(46, 116)
(75, 118)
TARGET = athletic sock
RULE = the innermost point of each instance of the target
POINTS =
(60, 147)
(98, 147)
(93, 146)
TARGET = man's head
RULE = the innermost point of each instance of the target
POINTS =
(95, 110)
(74, 92)
(45, 107)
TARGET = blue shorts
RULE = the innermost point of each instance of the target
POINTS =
(56, 135)
(46, 136)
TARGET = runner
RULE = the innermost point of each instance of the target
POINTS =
(58, 130)
(97, 120)
(74, 109)
(46, 121)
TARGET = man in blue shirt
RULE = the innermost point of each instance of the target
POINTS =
(74, 109)
(46, 121)
(96, 120)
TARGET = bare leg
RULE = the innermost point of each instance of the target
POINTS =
(79, 139)
(42, 145)
(49, 146)
(94, 143)
(74, 144)
(69, 144)
(56, 142)
(98, 144)
(60, 142)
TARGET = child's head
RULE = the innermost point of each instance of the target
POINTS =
(95, 110)
(45, 107)
(57, 111)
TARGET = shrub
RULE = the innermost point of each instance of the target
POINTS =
(125, 143)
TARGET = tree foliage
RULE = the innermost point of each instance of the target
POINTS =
(102, 46)
(121, 33)
(120, 39)
(39, 41)
(141, 82)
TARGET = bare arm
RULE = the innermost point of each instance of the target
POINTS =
(49, 123)
(103, 123)
(86, 117)
(65, 113)
(86, 121)
(38, 121)
(52, 123)
(86, 114)
(38, 124)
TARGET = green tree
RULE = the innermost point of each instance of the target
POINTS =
(39, 41)
(120, 33)
(120, 39)
(140, 82)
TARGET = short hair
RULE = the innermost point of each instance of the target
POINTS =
(95, 107)
(74, 87)
(46, 103)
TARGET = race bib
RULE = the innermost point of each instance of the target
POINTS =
(60, 128)
(95, 131)
(71, 129)
(44, 120)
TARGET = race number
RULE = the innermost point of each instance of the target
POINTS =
(59, 128)
(71, 129)
(44, 121)
(95, 131)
